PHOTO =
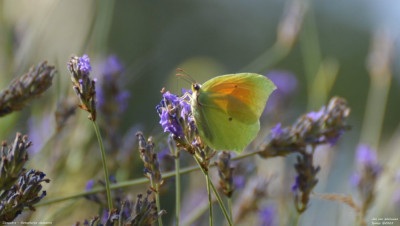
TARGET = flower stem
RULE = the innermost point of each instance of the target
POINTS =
(209, 198)
(177, 190)
(103, 158)
(130, 183)
(158, 203)
(221, 204)
(230, 207)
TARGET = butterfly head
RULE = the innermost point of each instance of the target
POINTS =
(195, 87)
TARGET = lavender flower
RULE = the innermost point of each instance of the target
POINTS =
(112, 66)
(23, 194)
(225, 173)
(286, 84)
(176, 118)
(365, 178)
(143, 212)
(26, 87)
(249, 199)
(112, 99)
(83, 85)
(150, 160)
(39, 133)
(305, 181)
(268, 216)
(84, 65)
(12, 161)
(64, 110)
(315, 128)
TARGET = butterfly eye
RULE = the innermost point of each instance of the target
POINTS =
(196, 86)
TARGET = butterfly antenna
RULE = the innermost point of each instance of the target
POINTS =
(186, 75)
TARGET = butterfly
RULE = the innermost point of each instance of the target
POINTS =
(227, 109)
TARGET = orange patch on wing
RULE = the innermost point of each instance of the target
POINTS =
(238, 91)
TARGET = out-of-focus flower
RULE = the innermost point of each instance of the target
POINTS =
(12, 161)
(366, 176)
(286, 84)
(39, 133)
(64, 110)
(83, 85)
(26, 87)
(23, 194)
(249, 199)
(225, 173)
(112, 101)
(268, 216)
(322, 127)
(290, 24)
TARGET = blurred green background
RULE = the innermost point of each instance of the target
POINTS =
(206, 38)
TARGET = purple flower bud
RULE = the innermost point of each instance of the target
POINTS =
(365, 155)
(239, 181)
(112, 65)
(84, 64)
(315, 115)
(89, 185)
(277, 130)
(267, 216)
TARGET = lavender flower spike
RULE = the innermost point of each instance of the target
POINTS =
(26, 87)
(83, 85)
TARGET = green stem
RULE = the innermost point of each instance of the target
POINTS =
(158, 203)
(221, 204)
(130, 183)
(209, 199)
(103, 159)
(230, 207)
(177, 190)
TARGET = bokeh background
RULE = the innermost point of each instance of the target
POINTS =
(321, 49)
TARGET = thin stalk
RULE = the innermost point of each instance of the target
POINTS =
(230, 207)
(130, 183)
(158, 203)
(221, 204)
(209, 199)
(177, 190)
(103, 159)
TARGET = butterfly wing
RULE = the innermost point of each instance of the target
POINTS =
(228, 107)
